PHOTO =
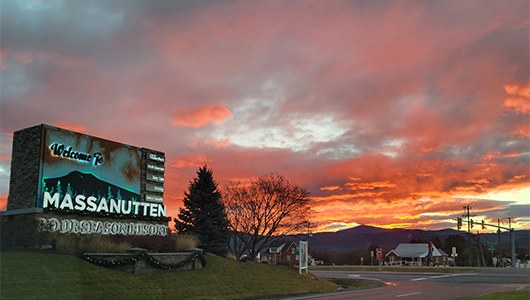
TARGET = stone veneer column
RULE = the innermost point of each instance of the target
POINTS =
(25, 160)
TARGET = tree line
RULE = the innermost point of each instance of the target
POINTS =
(243, 218)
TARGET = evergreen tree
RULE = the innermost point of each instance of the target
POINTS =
(69, 190)
(203, 214)
(59, 188)
(109, 194)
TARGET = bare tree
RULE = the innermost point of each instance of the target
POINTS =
(263, 211)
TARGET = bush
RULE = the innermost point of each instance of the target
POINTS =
(151, 243)
(186, 241)
(77, 244)
(231, 256)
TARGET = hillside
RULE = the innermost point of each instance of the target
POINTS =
(51, 276)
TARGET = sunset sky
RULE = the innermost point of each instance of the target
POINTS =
(391, 113)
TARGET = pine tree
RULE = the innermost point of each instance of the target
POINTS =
(109, 194)
(59, 188)
(69, 190)
(204, 214)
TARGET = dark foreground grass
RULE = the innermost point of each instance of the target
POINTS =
(51, 276)
(516, 295)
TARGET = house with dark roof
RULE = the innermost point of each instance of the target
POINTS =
(416, 255)
(272, 255)
(286, 253)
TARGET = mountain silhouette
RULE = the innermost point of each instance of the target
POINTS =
(362, 237)
(88, 185)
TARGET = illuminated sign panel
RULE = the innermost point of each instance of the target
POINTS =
(71, 182)
(89, 175)
(155, 177)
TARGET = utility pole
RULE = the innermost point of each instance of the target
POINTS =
(512, 240)
(481, 250)
(466, 214)
(470, 224)
(476, 239)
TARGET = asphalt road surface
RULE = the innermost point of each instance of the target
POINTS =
(409, 286)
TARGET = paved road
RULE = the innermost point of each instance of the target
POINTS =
(408, 286)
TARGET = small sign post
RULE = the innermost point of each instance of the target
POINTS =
(454, 255)
(379, 256)
(302, 264)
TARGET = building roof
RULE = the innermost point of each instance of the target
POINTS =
(273, 250)
(415, 250)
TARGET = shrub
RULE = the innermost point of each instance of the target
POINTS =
(151, 243)
(186, 241)
(231, 256)
(77, 244)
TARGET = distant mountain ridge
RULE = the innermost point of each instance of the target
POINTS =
(363, 236)
(88, 185)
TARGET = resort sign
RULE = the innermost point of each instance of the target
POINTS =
(69, 182)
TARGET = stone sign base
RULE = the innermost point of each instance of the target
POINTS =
(20, 230)
(35, 228)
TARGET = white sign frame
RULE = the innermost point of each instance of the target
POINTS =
(303, 257)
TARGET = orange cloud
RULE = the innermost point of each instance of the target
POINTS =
(3, 202)
(201, 116)
(518, 98)
(330, 188)
(370, 185)
(72, 127)
(422, 213)
(523, 131)
(191, 161)
(195, 142)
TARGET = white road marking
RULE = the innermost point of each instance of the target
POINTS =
(409, 294)
(442, 276)
(419, 279)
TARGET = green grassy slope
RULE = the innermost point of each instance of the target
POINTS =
(49, 276)
(516, 295)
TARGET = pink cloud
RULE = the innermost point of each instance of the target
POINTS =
(201, 116)
(518, 97)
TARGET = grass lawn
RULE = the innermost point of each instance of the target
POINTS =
(516, 295)
(395, 269)
(50, 276)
